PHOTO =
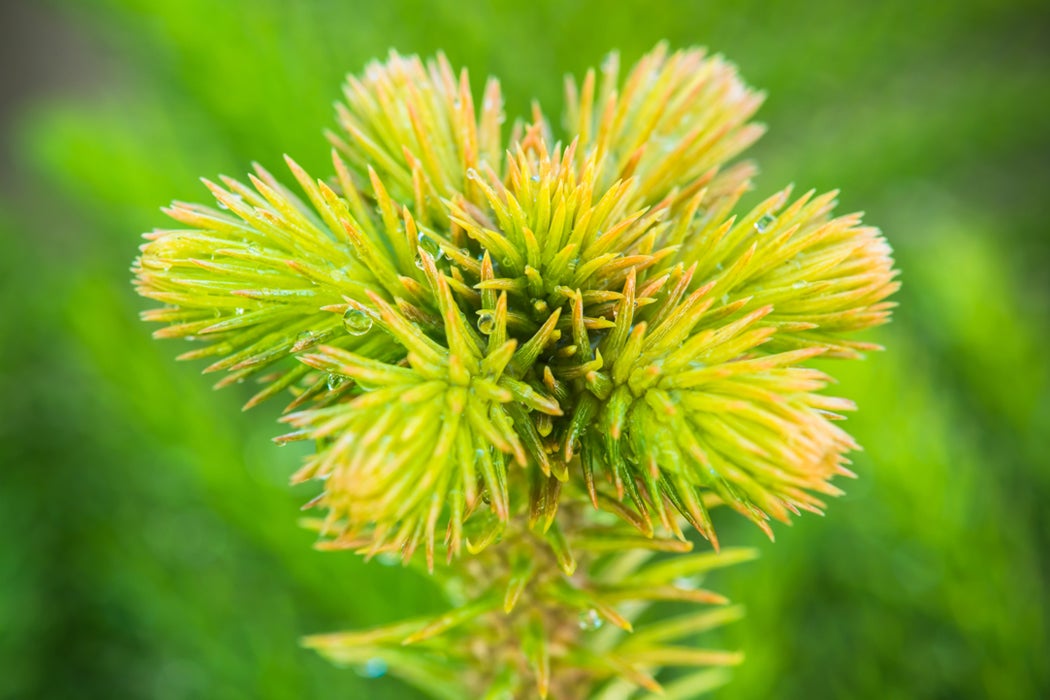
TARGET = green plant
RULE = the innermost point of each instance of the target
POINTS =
(533, 360)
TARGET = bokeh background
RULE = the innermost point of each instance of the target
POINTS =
(148, 539)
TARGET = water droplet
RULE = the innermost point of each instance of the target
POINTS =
(356, 321)
(373, 668)
(590, 620)
(253, 248)
(765, 222)
(801, 284)
(486, 322)
(429, 245)
(302, 341)
(688, 583)
(472, 174)
(334, 382)
(239, 311)
(725, 299)
(388, 559)
(535, 178)
(235, 197)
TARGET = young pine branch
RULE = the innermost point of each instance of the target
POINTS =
(536, 360)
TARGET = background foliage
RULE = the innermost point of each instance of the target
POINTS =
(148, 545)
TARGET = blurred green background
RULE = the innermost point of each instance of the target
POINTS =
(148, 540)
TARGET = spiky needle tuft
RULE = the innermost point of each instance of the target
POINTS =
(549, 340)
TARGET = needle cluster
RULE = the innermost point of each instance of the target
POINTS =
(535, 350)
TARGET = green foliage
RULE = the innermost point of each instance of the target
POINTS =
(497, 336)
(626, 301)
(122, 529)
